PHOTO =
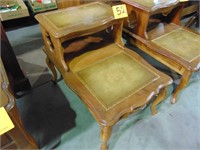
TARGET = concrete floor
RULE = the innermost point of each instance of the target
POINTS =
(58, 119)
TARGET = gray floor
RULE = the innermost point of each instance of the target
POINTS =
(53, 113)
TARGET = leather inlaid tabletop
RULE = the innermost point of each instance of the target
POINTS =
(78, 16)
(64, 21)
(179, 43)
(111, 79)
(151, 4)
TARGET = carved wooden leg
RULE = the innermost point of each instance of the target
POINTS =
(160, 97)
(105, 135)
(22, 139)
(184, 81)
(52, 68)
(142, 23)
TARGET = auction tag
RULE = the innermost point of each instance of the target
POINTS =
(120, 11)
(5, 122)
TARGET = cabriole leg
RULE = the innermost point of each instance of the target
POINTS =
(184, 81)
(52, 68)
(105, 135)
(160, 97)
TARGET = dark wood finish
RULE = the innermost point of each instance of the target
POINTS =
(110, 79)
(152, 41)
(18, 134)
(17, 78)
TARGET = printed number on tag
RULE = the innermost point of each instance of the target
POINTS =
(119, 11)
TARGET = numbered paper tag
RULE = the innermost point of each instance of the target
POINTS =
(120, 11)
(5, 121)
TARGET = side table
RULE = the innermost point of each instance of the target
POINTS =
(175, 46)
(85, 44)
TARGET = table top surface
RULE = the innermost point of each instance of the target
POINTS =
(64, 21)
(178, 43)
(151, 5)
(181, 42)
(109, 78)
(113, 81)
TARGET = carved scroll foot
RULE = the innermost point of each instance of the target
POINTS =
(160, 97)
(184, 81)
(52, 68)
(105, 135)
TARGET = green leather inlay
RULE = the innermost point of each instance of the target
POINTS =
(115, 78)
(182, 43)
(79, 16)
(151, 3)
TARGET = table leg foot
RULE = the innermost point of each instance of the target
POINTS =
(105, 135)
(52, 68)
(184, 81)
(160, 97)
